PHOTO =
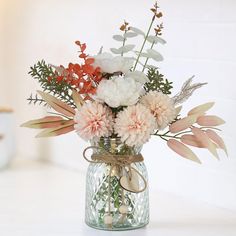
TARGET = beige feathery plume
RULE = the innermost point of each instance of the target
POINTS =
(186, 91)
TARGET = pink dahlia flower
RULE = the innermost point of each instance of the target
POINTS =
(134, 125)
(161, 106)
(93, 120)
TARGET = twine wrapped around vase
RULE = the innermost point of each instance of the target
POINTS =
(123, 162)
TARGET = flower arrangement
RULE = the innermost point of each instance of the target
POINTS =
(124, 95)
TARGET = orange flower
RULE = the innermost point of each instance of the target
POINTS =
(84, 77)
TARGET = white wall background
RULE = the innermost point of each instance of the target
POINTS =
(201, 38)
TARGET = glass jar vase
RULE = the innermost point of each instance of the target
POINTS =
(109, 204)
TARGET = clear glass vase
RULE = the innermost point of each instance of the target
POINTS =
(113, 207)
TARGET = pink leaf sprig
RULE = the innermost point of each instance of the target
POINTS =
(195, 130)
(59, 124)
(182, 150)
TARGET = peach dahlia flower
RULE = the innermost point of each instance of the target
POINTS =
(93, 120)
(134, 125)
(161, 106)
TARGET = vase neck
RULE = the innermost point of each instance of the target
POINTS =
(116, 146)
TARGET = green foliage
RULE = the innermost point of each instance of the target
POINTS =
(101, 196)
(157, 82)
(34, 99)
(62, 90)
(122, 150)
(116, 110)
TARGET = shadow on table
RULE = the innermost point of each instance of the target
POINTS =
(90, 231)
(195, 224)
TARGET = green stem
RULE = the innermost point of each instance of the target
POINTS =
(184, 132)
(148, 57)
(123, 42)
(166, 132)
(144, 42)
(164, 136)
(209, 127)
(170, 136)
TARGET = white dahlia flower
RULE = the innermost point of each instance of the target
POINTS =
(110, 64)
(119, 91)
(161, 106)
(138, 76)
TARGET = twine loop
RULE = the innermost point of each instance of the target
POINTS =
(109, 158)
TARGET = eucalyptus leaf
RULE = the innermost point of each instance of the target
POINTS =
(155, 39)
(118, 37)
(126, 48)
(137, 31)
(130, 34)
(116, 51)
(155, 55)
(161, 40)
(136, 52)
(144, 54)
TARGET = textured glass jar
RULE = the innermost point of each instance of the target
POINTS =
(100, 201)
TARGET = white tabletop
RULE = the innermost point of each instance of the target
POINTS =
(39, 199)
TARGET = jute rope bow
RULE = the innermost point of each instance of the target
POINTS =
(120, 161)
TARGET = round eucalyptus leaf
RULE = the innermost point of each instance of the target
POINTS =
(155, 39)
(154, 55)
(118, 37)
(130, 34)
(137, 31)
(116, 51)
(126, 48)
